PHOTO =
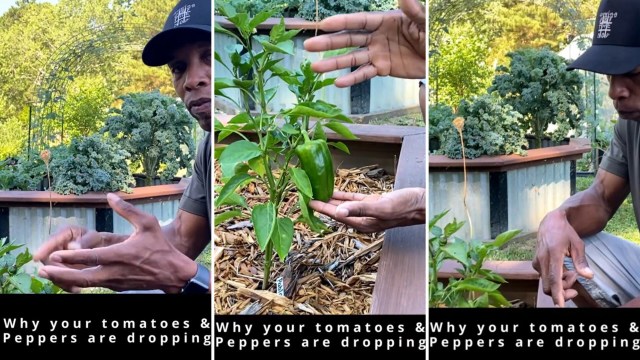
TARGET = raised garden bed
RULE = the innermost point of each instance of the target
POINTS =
(344, 272)
(24, 215)
(505, 192)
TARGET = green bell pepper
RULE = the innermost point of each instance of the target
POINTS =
(315, 160)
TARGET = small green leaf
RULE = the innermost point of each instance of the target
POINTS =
(341, 129)
(261, 17)
(498, 299)
(37, 285)
(263, 218)
(234, 199)
(221, 218)
(236, 152)
(318, 132)
(477, 284)
(458, 251)
(504, 238)
(302, 182)
(340, 146)
(257, 165)
(22, 282)
(289, 129)
(231, 186)
(437, 218)
(283, 237)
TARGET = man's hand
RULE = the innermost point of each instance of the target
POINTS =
(391, 43)
(557, 239)
(372, 213)
(144, 260)
(75, 237)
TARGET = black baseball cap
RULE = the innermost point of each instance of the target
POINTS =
(190, 20)
(615, 48)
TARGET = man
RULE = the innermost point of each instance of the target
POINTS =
(392, 43)
(153, 257)
(608, 264)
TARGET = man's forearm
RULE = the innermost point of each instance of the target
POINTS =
(586, 211)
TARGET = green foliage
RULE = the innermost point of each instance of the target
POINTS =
(307, 9)
(458, 69)
(25, 172)
(14, 279)
(527, 24)
(271, 159)
(491, 127)
(13, 132)
(476, 286)
(539, 87)
(156, 130)
(328, 8)
(440, 118)
(28, 44)
(91, 163)
(88, 99)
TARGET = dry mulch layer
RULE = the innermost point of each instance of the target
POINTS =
(332, 273)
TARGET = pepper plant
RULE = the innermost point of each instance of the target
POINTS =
(291, 153)
(476, 285)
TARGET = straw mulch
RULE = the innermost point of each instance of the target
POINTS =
(330, 274)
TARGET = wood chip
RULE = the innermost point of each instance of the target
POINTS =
(330, 274)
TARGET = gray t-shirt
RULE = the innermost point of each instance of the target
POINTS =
(196, 198)
(622, 158)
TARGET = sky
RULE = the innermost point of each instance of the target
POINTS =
(6, 4)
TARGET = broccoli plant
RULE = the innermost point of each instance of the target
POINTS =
(291, 150)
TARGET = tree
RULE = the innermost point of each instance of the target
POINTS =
(539, 87)
(459, 71)
(156, 130)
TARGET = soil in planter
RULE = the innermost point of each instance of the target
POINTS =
(330, 274)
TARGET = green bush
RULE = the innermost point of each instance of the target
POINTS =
(440, 118)
(538, 86)
(491, 127)
(155, 130)
(307, 9)
(91, 163)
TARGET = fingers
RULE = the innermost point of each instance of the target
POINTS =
(58, 241)
(323, 207)
(348, 196)
(579, 257)
(138, 218)
(358, 21)
(363, 73)
(414, 11)
(555, 276)
(89, 257)
(70, 280)
(336, 41)
(355, 58)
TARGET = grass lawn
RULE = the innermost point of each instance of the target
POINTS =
(623, 224)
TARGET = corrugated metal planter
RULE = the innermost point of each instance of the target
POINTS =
(389, 93)
(504, 192)
(24, 215)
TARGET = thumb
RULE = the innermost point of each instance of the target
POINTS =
(414, 11)
(135, 216)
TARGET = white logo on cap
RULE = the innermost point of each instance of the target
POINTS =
(604, 27)
(182, 15)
